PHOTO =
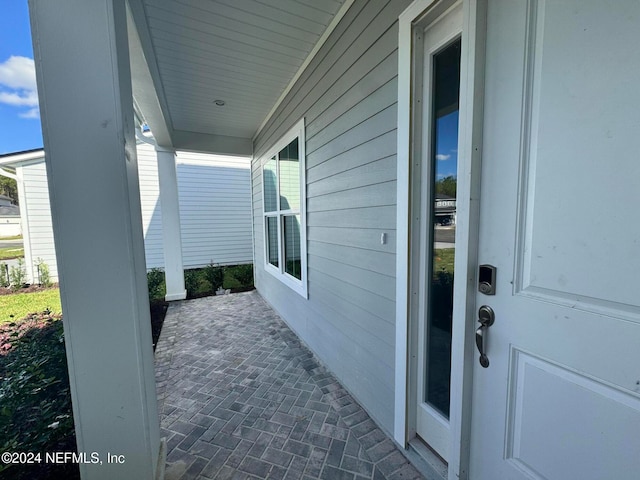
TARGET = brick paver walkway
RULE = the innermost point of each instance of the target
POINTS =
(241, 398)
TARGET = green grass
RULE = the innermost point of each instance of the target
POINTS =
(15, 237)
(11, 252)
(18, 305)
(444, 259)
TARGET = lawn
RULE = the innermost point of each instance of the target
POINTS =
(11, 252)
(16, 306)
(444, 259)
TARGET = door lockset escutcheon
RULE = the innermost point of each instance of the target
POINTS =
(486, 317)
(487, 279)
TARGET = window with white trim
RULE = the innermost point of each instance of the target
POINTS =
(283, 187)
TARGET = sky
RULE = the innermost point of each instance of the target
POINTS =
(19, 114)
(447, 146)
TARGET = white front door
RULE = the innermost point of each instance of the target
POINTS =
(560, 196)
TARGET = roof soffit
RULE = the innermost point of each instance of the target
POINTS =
(243, 52)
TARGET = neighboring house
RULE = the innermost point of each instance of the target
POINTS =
(9, 214)
(445, 209)
(215, 209)
(35, 213)
(344, 107)
(10, 221)
(5, 201)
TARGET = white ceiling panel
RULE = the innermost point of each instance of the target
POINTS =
(243, 52)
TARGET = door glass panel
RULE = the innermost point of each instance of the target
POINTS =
(444, 173)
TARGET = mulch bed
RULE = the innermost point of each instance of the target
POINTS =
(27, 289)
(158, 308)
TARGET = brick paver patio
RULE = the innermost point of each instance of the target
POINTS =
(241, 398)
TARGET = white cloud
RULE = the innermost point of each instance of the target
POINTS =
(20, 99)
(31, 113)
(18, 73)
(442, 156)
(18, 85)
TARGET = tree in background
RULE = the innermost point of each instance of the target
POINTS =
(447, 186)
(9, 187)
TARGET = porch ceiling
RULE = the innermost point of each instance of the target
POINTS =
(242, 52)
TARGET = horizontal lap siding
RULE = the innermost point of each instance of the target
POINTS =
(150, 205)
(38, 216)
(348, 97)
(215, 209)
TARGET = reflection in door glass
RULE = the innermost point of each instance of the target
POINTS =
(272, 240)
(444, 169)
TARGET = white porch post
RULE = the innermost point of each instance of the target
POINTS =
(84, 87)
(172, 242)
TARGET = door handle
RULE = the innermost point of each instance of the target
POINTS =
(486, 317)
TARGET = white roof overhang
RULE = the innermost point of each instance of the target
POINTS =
(15, 159)
(186, 55)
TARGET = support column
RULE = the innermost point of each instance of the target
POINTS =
(84, 87)
(171, 236)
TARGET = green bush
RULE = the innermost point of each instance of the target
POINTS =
(4, 275)
(243, 274)
(204, 281)
(195, 283)
(44, 277)
(156, 284)
(214, 274)
(18, 275)
(35, 399)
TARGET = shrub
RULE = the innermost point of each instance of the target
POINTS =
(18, 275)
(36, 411)
(4, 275)
(214, 274)
(44, 278)
(192, 282)
(204, 281)
(244, 274)
(156, 284)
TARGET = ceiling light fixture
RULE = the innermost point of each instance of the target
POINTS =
(219, 103)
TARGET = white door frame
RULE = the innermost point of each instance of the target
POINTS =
(469, 157)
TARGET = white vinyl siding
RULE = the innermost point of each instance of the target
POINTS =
(36, 220)
(215, 210)
(150, 205)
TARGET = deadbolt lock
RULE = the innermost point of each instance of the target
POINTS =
(487, 279)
